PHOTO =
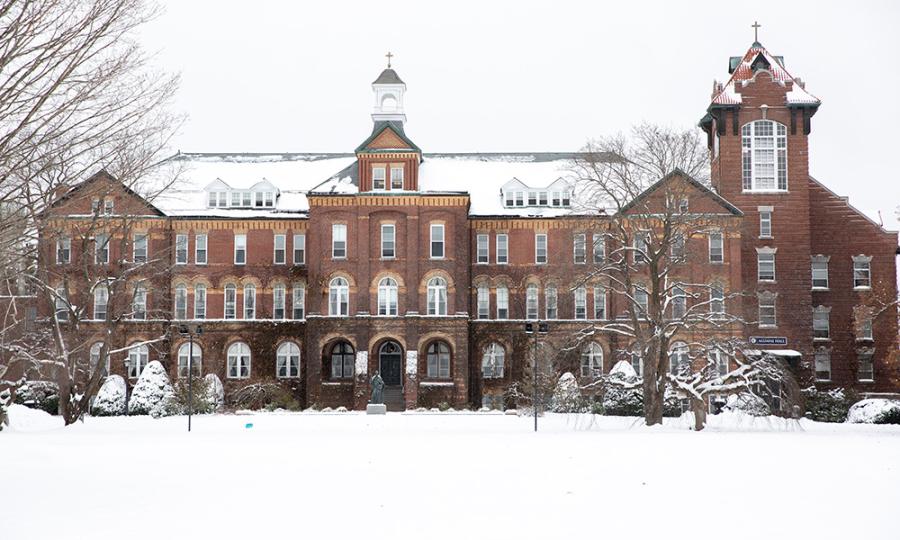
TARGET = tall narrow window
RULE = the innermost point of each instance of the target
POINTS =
(240, 249)
(230, 301)
(641, 299)
(540, 248)
(592, 360)
(765, 222)
(61, 301)
(278, 301)
(767, 311)
(482, 255)
(716, 248)
(531, 301)
(599, 303)
(199, 301)
(299, 301)
(823, 365)
(139, 302)
(599, 249)
(140, 248)
(63, 250)
(181, 301)
(821, 323)
(101, 249)
(339, 241)
(387, 297)
(484, 302)
(492, 361)
(137, 360)
(181, 249)
(765, 264)
(342, 363)
(866, 367)
(580, 248)
(716, 299)
(249, 301)
(200, 250)
(764, 156)
(396, 177)
(101, 300)
(108, 206)
(580, 303)
(640, 247)
(438, 358)
(95, 358)
(378, 177)
(299, 249)
(502, 302)
(679, 303)
(680, 358)
(388, 241)
(190, 358)
(862, 272)
(551, 301)
(437, 296)
(280, 256)
(819, 272)
(677, 246)
(287, 360)
(865, 329)
(339, 297)
(502, 249)
(437, 240)
(238, 361)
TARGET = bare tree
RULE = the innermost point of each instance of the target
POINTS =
(77, 96)
(658, 254)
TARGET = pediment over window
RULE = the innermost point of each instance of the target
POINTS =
(516, 193)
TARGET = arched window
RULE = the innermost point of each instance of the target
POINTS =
(764, 156)
(199, 301)
(137, 360)
(387, 296)
(592, 360)
(299, 301)
(679, 358)
(238, 361)
(181, 301)
(230, 301)
(338, 297)
(437, 296)
(95, 357)
(492, 361)
(249, 301)
(483, 297)
(342, 360)
(531, 301)
(502, 302)
(287, 360)
(195, 354)
(278, 299)
(438, 366)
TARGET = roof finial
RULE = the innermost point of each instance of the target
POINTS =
(756, 26)
(389, 56)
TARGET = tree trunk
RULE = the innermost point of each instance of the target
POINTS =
(653, 400)
(698, 407)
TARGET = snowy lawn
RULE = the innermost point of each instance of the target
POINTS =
(428, 476)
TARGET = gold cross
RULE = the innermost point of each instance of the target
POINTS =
(756, 26)
(389, 56)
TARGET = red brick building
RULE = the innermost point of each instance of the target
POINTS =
(316, 270)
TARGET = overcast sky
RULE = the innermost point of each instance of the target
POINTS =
(269, 76)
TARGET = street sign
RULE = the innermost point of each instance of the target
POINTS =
(767, 340)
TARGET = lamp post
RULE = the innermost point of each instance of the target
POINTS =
(186, 330)
(535, 328)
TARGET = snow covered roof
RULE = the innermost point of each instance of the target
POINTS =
(744, 70)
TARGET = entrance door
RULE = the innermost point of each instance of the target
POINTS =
(389, 358)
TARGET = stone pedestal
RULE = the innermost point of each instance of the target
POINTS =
(376, 408)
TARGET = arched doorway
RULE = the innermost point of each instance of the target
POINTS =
(390, 356)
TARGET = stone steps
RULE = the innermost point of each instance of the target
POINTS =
(393, 398)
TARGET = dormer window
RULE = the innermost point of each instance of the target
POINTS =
(378, 178)
(396, 177)
(517, 194)
(261, 195)
(520, 198)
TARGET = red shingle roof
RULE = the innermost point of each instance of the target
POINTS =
(743, 74)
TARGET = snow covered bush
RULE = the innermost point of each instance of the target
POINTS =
(623, 396)
(875, 411)
(110, 400)
(268, 396)
(828, 406)
(198, 394)
(567, 395)
(215, 392)
(43, 395)
(153, 394)
(748, 404)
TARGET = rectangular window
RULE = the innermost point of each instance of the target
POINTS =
(580, 303)
(677, 247)
(482, 255)
(540, 248)
(531, 302)
(821, 324)
(246, 199)
(866, 368)
(388, 241)
(509, 198)
(181, 302)
(249, 302)
(580, 248)
(599, 248)
(62, 305)
(181, 249)
(555, 199)
(641, 299)
(716, 248)
(299, 302)
(679, 303)
(766, 265)
(101, 300)
(865, 329)
(767, 313)
(765, 222)
(820, 273)
(101, 249)
(95, 206)
(502, 249)
(378, 177)
(339, 241)
(280, 249)
(550, 303)
(520, 198)
(640, 247)
(396, 177)
(862, 273)
(140, 248)
(502, 303)
(269, 199)
(200, 302)
(108, 206)
(823, 365)
(63, 250)
(484, 302)
(240, 249)
(599, 303)
(230, 302)
(437, 241)
(532, 198)
(278, 302)
(716, 299)
(542, 198)
(299, 249)
(200, 250)
(139, 303)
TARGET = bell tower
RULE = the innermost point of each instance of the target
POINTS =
(389, 90)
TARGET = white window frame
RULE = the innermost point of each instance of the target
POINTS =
(339, 297)
(200, 301)
(751, 147)
(201, 249)
(185, 350)
(767, 313)
(541, 246)
(395, 177)
(139, 302)
(239, 361)
(859, 370)
(379, 176)
(579, 248)
(240, 248)
(388, 297)
(249, 302)
(502, 302)
(531, 302)
(760, 262)
(821, 323)
(822, 363)
(229, 311)
(717, 299)
(282, 250)
(716, 247)
(822, 262)
(482, 249)
(437, 229)
(181, 249)
(592, 360)
(180, 311)
(493, 358)
(287, 360)
(101, 298)
(551, 302)
(140, 247)
(598, 249)
(138, 358)
(502, 248)
(388, 229)
(299, 247)
(765, 221)
(298, 301)
(483, 299)
(101, 249)
(862, 260)
(339, 241)
(580, 303)
(63, 250)
(600, 313)
(436, 296)
(279, 301)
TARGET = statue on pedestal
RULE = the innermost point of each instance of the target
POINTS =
(377, 389)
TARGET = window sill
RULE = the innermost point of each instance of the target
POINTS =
(502, 263)
(821, 339)
(767, 326)
(821, 289)
(766, 237)
(482, 263)
(862, 339)
(769, 281)
(862, 288)
(765, 191)
(823, 380)
(388, 258)
(333, 258)
(866, 380)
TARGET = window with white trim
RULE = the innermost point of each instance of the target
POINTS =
(181, 249)
(339, 241)
(502, 302)
(679, 358)
(299, 249)
(551, 299)
(230, 298)
(502, 249)
(492, 361)
(640, 247)
(61, 303)
(866, 366)
(641, 299)
(767, 310)
(484, 302)
(821, 322)
(438, 360)
(287, 360)
(240, 249)
(342, 360)
(436, 296)
(139, 302)
(716, 299)
(862, 272)
(765, 264)
(679, 302)
(765, 222)
(139, 248)
(63, 250)
(298, 302)
(599, 303)
(677, 247)
(387, 296)
(716, 248)
(437, 241)
(137, 360)
(101, 249)
(95, 358)
(764, 156)
(200, 250)
(482, 249)
(823, 365)
(592, 360)
(540, 248)
(819, 272)
(599, 249)
(396, 177)
(190, 357)
(865, 329)
(580, 303)
(388, 241)
(280, 255)
(531, 301)
(199, 301)
(718, 359)
(181, 301)
(339, 297)
(238, 361)
(249, 301)
(101, 302)
(580, 248)
(278, 301)
(378, 178)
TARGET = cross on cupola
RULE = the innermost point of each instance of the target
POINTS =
(389, 90)
(755, 26)
(389, 56)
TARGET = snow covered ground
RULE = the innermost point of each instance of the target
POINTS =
(434, 476)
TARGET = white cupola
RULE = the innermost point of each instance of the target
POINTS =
(388, 89)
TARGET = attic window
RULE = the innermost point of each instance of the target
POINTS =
(536, 198)
(241, 199)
